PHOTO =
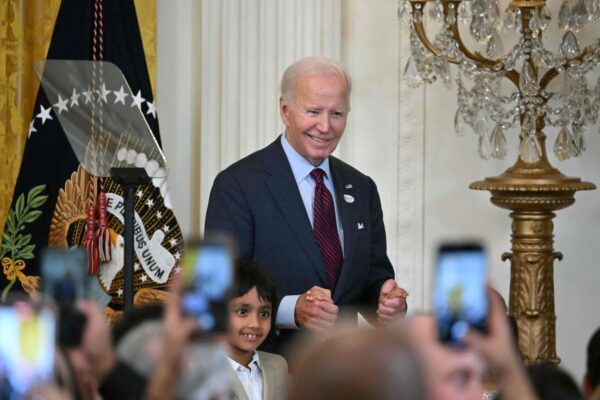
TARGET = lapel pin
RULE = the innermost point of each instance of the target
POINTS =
(361, 226)
(348, 198)
(348, 186)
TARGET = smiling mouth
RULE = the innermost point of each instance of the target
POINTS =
(251, 336)
(318, 139)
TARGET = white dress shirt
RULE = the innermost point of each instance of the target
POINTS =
(251, 376)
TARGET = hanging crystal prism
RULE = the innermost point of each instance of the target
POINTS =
(563, 15)
(485, 147)
(436, 10)
(529, 149)
(518, 21)
(480, 28)
(569, 47)
(478, 7)
(498, 141)
(562, 145)
(535, 24)
(411, 75)
(577, 142)
(481, 125)
(493, 13)
(464, 12)
(405, 12)
(528, 81)
(460, 126)
(444, 72)
(494, 48)
(578, 16)
(509, 19)
(545, 16)
(528, 126)
(451, 15)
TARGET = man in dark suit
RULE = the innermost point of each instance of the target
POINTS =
(320, 235)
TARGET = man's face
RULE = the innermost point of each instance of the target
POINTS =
(316, 116)
(450, 374)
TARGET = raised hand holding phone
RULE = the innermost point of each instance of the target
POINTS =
(207, 279)
(460, 299)
(65, 280)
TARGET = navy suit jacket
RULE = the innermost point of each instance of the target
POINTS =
(257, 201)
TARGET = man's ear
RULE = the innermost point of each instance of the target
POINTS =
(283, 110)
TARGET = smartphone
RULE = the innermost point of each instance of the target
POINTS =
(460, 297)
(65, 279)
(27, 347)
(208, 275)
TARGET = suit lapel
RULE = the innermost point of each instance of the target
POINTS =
(348, 217)
(268, 379)
(282, 185)
(237, 389)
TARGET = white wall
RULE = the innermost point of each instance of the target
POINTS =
(401, 137)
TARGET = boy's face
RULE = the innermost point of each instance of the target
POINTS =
(249, 325)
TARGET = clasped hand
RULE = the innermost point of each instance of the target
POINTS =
(315, 310)
(392, 302)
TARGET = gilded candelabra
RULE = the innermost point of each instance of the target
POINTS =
(531, 188)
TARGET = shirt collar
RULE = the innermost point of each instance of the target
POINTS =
(237, 366)
(301, 168)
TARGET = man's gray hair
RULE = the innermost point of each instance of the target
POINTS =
(311, 66)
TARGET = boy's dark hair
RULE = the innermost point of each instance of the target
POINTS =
(247, 275)
(593, 360)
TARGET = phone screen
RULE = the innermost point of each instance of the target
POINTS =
(460, 298)
(64, 274)
(27, 347)
(65, 279)
(208, 275)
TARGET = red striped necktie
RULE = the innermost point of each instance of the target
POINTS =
(325, 229)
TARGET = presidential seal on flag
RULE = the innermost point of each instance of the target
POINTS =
(62, 200)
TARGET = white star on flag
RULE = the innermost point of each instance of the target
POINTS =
(120, 292)
(177, 269)
(88, 96)
(75, 98)
(166, 228)
(150, 203)
(139, 193)
(151, 108)
(136, 266)
(173, 242)
(177, 257)
(62, 104)
(44, 114)
(31, 128)
(158, 215)
(138, 100)
(143, 278)
(104, 93)
(120, 95)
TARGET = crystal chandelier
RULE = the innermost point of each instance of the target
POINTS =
(529, 86)
(528, 64)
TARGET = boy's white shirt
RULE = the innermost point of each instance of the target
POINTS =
(251, 378)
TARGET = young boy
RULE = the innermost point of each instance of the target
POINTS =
(257, 375)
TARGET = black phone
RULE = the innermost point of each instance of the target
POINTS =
(460, 296)
(208, 275)
(65, 279)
